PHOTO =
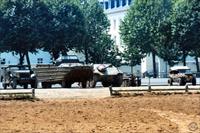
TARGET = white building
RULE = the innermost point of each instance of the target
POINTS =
(116, 11)
(40, 57)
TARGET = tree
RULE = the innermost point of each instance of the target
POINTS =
(22, 22)
(186, 22)
(2, 31)
(166, 48)
(98, 46)
(139, 29)
(132, 56)
(65, 31)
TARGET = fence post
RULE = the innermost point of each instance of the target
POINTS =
(110, 89)
(149, 88)
(186, 88)
(33, 92)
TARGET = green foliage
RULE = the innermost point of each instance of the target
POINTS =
(167, 49)
(22, 20)
(99, 48)
(56, 26)
(186, 23)
(65, 31)
(139, 30)
(32, 25)
(2, 31)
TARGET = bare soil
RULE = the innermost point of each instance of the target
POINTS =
(140, 114)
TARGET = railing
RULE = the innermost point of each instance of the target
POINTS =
(15, 92)
(187, 88)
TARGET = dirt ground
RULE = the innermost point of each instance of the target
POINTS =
(140, 114)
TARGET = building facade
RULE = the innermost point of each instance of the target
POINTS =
(116, 10)
(40, 57)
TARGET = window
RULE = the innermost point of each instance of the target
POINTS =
(123, 2)
(106, 5)
(3, 61)
(117, 3)
(40, 60)
(102, 4)
(112, 3)
(129, 2)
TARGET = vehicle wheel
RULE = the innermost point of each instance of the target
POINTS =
(25, 86)
(106, 84)
(139, 82)
(4, 86)
(68, 85)
(46, 85)
(182, 82)
(34, 84)
(14, 83)
(193, 81)
(117, 81)
(170, 82)
(93, 82)
(84, 84)
(63, 84)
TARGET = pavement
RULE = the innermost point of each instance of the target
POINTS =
(60, 93)
(99, 92)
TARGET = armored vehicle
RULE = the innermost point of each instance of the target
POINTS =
(131, 80)
(66, 71)
(181, 75)
(22, 75)
(107, 74)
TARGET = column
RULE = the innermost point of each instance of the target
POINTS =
(120, 3)
(126, 2)
(115, 3)
(109, 4)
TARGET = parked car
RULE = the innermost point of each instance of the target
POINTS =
(14, 75)
(181, 75)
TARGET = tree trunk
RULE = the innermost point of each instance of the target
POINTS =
(28, 60)
(85, 49)
(55, 55)
(197, 63)
(86, 55)
(184, 58)
(131, 69)
(154, 65)
(21, 58)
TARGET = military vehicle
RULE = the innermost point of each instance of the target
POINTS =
(107, 74)
(14, 75)
(66, 71)
(131, 80)
(181, 75)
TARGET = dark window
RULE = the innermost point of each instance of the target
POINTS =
(129, 2)
(123, 2)
(40, 60)
(106, 5)
(101, 3)
(112, 3)
(3, 61)
(118, 4)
